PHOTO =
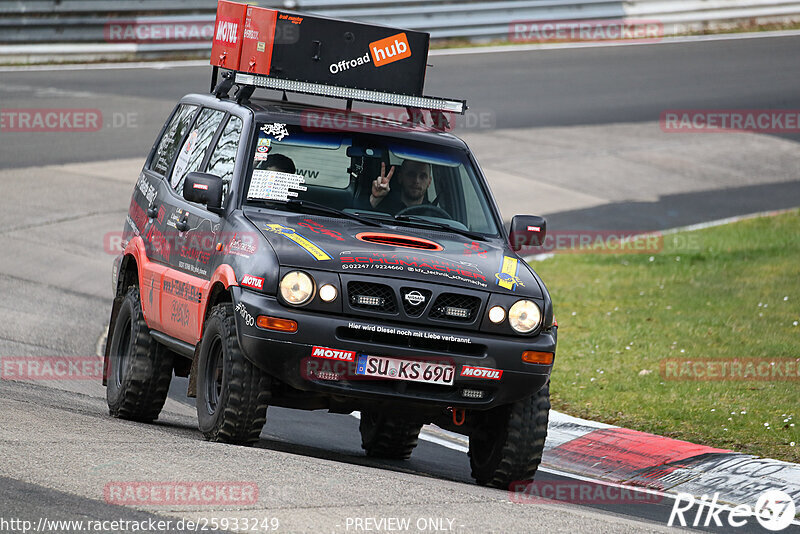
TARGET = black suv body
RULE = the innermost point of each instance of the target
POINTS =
(308, 296)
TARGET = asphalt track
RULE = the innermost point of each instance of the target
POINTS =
(59, 446)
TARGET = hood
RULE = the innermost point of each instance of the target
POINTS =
(346, 246)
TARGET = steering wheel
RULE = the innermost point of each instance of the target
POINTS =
(419, 209)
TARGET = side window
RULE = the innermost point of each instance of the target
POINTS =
(172, 136)
(194, 148)
(224, 156)
(477, 216)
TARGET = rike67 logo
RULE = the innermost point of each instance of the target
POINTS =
(774, 511)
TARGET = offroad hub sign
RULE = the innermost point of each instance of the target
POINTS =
(319, 50)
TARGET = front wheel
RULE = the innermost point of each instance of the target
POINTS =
(508, 443)
(232, 393)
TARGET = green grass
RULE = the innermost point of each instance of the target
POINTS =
(731, 291)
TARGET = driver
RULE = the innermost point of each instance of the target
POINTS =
(414, 178)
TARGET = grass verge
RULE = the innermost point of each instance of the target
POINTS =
(721, 293)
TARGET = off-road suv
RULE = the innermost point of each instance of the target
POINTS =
(270, 257)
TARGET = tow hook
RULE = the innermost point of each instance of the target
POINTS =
(459, 415)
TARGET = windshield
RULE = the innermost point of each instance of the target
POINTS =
(371, 175)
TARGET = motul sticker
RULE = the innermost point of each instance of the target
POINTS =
(252, 281)
(534, 228)
(481, 372)
(333, 354)
(227, 32)
(204, 187)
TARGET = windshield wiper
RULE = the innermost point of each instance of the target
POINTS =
(302, 204)
(423, 221)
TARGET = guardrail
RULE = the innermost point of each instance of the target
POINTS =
(56, 30)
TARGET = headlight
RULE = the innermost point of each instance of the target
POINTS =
(297, 288)
(524, 316)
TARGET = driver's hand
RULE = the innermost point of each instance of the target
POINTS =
(380, 186)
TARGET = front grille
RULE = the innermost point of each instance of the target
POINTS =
(373, 297)
(345, 333)
(455, 307)
(411, 309)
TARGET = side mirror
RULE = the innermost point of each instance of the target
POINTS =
(527, 231)
(203, 188)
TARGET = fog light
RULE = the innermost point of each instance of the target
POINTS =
(327, 375)
(497, 314)
(542, 358)
(274, 323)
(472, 393)
(328, 293)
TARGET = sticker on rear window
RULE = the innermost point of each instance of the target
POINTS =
(276, 129)
(274, 185)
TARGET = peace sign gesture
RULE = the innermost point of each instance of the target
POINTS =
(380, 186)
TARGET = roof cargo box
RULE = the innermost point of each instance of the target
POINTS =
(228, 31)
(299, 47)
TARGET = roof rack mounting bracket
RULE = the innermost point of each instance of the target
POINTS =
(415, 116)
(223, 87)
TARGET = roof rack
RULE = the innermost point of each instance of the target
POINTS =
(247, 82)
(297, 53)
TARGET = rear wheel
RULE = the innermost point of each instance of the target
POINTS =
(383, 436)
(508, 444)
(232, 393)
(140, 369)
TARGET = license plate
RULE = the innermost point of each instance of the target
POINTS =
(410, 370)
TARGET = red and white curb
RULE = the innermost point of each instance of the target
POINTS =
(619, 456)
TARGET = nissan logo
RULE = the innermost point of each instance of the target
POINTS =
(415, 298)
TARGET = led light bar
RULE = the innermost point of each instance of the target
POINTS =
(462, 313)
(472, 393)
(327, 375)
(362, 95)
(366, 300)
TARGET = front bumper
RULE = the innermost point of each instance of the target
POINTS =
(287, 356)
